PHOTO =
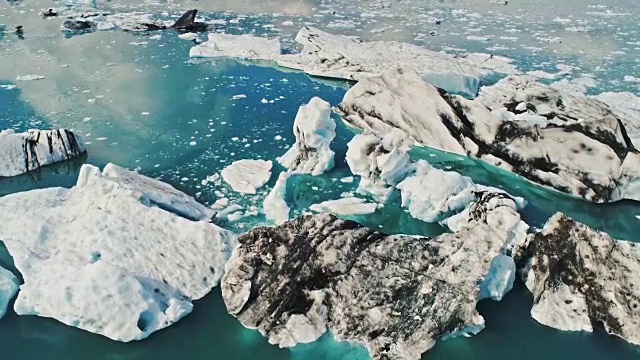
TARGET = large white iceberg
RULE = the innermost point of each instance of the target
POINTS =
(246, 176)
(8, 289)
(27, 151)
(328, 55)
(314, 130)
(119, 254)
(240, 46)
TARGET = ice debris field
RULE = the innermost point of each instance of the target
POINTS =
(357, 176)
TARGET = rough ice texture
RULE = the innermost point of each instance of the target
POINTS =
(580, 278)
(246, 176)
(625, 106)
(572, 144)
(328, 55)
(314, 130)
(119, 254)
(382, 162)
(8, 289)
(395, 294)
(24, 152)
(346, 206)
(275, 205)
(240, 46)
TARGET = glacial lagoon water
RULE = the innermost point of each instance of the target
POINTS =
(139, 102)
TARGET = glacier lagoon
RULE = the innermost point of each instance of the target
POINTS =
(139, 102)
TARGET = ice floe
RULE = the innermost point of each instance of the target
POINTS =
(246, 176)
(345, 206)
(28, 151)
(119, 254)
(314, 130)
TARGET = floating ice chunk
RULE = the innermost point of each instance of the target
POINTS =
(240, 46)
(330, 55)
(8, 288)
(314, 130)
(246, 176)
(119, 254)
(499, 279)
(275, 206)
(432, 194)
(345, 206)
(24, 152)
(29, 77)
(188, 36)
(382, 163)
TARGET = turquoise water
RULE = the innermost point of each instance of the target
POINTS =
(140, 103)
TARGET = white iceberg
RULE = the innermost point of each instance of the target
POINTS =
(239, 46)
(314, 130)
(432, 194)
(246, 176)
(24, 152)
(275, 206)
(8, 289)
(381, 163)
(345, 206)
(328, 55)
(119, 254)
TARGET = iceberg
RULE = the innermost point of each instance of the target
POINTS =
(28, 151)
(395, 294)
(246, 176)
(239, 46)
(314, 130)
(8, 288)
(275, 206)
(381, 163)
(334, 56)
(569, 143)
(119, 254)
(581, 278)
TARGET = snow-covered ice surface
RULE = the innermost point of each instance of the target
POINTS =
(314, 129)
(8, 288)
(246, 176)
(119, 254)
(275, 206)
(239, 46)
(28, 151)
